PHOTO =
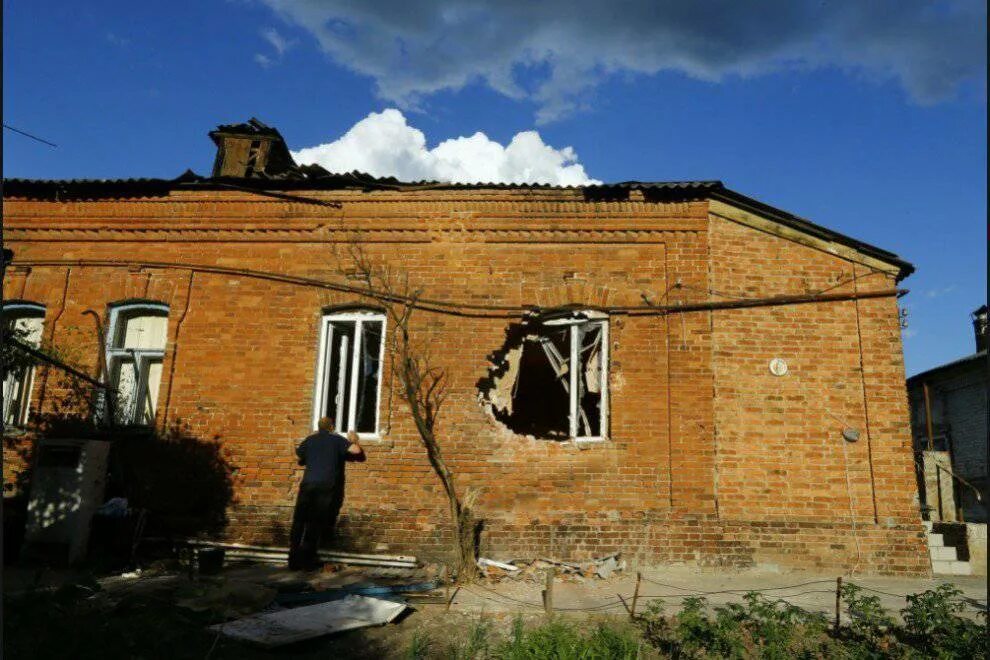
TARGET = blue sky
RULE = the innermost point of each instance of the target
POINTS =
(872, 123)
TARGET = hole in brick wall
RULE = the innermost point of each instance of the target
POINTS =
(529, 385)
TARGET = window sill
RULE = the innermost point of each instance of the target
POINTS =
(374, 440)
(585, 443)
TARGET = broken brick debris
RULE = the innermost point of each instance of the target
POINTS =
(535, 570)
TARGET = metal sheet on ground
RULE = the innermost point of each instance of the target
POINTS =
(301, 623)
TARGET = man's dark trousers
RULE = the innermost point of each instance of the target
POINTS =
(316, 512)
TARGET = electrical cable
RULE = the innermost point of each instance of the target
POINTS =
(737, 591)
(33, 137)
(509, 600)
(457, 308)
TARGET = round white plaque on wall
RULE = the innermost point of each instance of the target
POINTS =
(778, 367)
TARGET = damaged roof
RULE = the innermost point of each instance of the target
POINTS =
(252, 126)
(315, 178)
(285, 175)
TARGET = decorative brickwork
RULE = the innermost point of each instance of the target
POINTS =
(710, 458)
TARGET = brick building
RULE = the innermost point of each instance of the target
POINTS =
(949, 423)
(672, 370)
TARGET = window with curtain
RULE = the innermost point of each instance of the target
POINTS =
(135, 352)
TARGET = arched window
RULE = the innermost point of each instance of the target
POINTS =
(24, 322)
(135, 351)
(349, 370)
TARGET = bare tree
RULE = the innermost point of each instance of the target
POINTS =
(424, 389)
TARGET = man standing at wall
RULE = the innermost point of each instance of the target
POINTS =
(321, 492)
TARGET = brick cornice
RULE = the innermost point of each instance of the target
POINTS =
(241, 208)
(322, 234)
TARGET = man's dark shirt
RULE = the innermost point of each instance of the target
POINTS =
(324, 454)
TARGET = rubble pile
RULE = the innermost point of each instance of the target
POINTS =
(535, 570)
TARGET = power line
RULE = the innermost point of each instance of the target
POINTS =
(33, 137)
(460, 308)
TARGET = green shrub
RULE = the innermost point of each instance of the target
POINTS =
(870, 631)
(759, 627)
(932, 625)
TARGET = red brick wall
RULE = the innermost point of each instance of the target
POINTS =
(781, 452)
(710, 459)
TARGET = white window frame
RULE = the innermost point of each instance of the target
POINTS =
(320, 394)
(141, 357)
(576, 319)
(22, 310)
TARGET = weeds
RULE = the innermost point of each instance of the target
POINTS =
(92, 623)
(555, 640)
(563, 640)
(932, 625)
(758, 628)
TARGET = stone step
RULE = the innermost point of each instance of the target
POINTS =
(951, 568)
(942, 553)
(936, 541)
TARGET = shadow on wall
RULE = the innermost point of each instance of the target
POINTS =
(182, 482)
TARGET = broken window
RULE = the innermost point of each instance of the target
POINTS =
(252, 158)
(348, 387)
(25, 320)
(551, 379)
(135, 351)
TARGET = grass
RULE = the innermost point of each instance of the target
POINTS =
(558, 639)
(756, 628)
(82, 621)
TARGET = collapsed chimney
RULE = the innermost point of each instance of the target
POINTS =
(980, 328)
(252, 149)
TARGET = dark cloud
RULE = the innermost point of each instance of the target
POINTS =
(413, 49)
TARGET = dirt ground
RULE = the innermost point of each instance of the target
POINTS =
(246, 589)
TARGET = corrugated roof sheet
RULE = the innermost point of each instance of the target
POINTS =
(252, 126)
(979, 355)
(315, 178)
(312, 178)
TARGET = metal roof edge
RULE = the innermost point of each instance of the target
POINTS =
(148, 187)
(978, 355)
(788, 219)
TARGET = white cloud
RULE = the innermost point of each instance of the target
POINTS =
(118, 40)
(278, 43)
(938, 293)
(384, 144)
(555, 52)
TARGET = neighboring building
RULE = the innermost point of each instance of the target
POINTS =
(672, 370)
(954, 434)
